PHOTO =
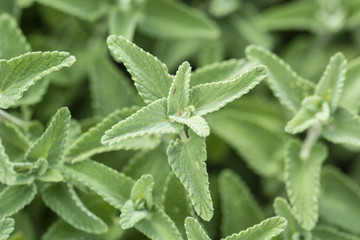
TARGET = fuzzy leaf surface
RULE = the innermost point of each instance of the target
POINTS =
(196, 123)
(187, 160)
(130, 216)
(150, 75)
(350, 99)
(142, 190)
(7, 173)
(194, 231)
(6, 228)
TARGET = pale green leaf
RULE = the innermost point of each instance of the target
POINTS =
(16, 143)
(6, 228)
(142, 190)
(212, 52)
(194, 231)
(89, 10)
(100, 179)
(34, 94)
(350, 99)
(150, 75)
(196, 123)
(7, 173)
(289, 87)
(88, 144)
(178, 98)
(330, 86)
(343, 128)
(51, 144)
(236, 202)
(265, 230)
(19, 73)
(223, 8)
(330, 233)
(130, 216)
(187, 160)
(175, 20)
(151, 119)
(302, 177)
(339, 200)
(51, 175)
(211, 97)
(15, 198)
(63, 200)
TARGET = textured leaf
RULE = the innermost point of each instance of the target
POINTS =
(151, 119)
(7, 173)
(64, 201)
(130, 216)
(6, 228)
(187, 160)
(265, 230)
(331, 83)
(15, 198)
(343, 128)
(211, 97)
(330, 233)
(339, 200)
(18, 74)
(302, 177)
(350, 98)
(15, 139)
(178, 98)
(51, 144)
(236, 202)
(194, 231)
(174, 20)
(100, 179)
(196, 123)
(142, 190)
(290, 88)
(88, 144)
(150, 75)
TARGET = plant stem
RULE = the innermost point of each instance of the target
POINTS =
(312, 136)
(183, 135)
(11, 118)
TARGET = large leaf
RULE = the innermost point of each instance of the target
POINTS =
(18, 74)
(51, 144)
(174, 20)
(7, 173)
(112, 186)
(236, 202)
(211, 97)
(302, 177)
(265, 230)
(187, 160)
(194, 231)
(151, 119)
(150, 75)
(6, 228)
(63, 200)
(290, 88)
(15, 198)
(350, 99)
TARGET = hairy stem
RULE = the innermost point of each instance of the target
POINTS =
(312, 136)
(11, 118)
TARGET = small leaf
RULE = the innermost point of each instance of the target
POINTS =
(51, 144)
(211, 97)
(130, 216)
(150, 75)
(15, 198)
(290, 88)
(187, 160)
(265, 230)
(178, 98)
(221, 8)
(151, 119)
(302, 177)
(64, 201)
(6, 228)
(196, 123)
(51, 175)
(194, 231)
(142, 190)
(18, 74)
(7, 173)
(331, 83)
(330, 233)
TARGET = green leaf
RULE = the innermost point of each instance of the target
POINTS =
(175, 20)
(265, 230)
(339, 200)
(151, 119)
(15, 198)
(187, 160)
(89, 10)
(196, 123)
(289, 87)
(16, 142)
(6, 228)
(51, 144)
(330, 233)
(350, 98)
(64, 201)
(332, 81)
(100, 179)
(236, 202)
(221, 8)
(130, 216)
(343, 128)
(302, 178)
(18, 74)
(12, 42)
(178, 98)
(211, 97)
(88, 144)
(150, 75)
(142, 190)
(7, 173)
(51, 175)
(194, 231)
